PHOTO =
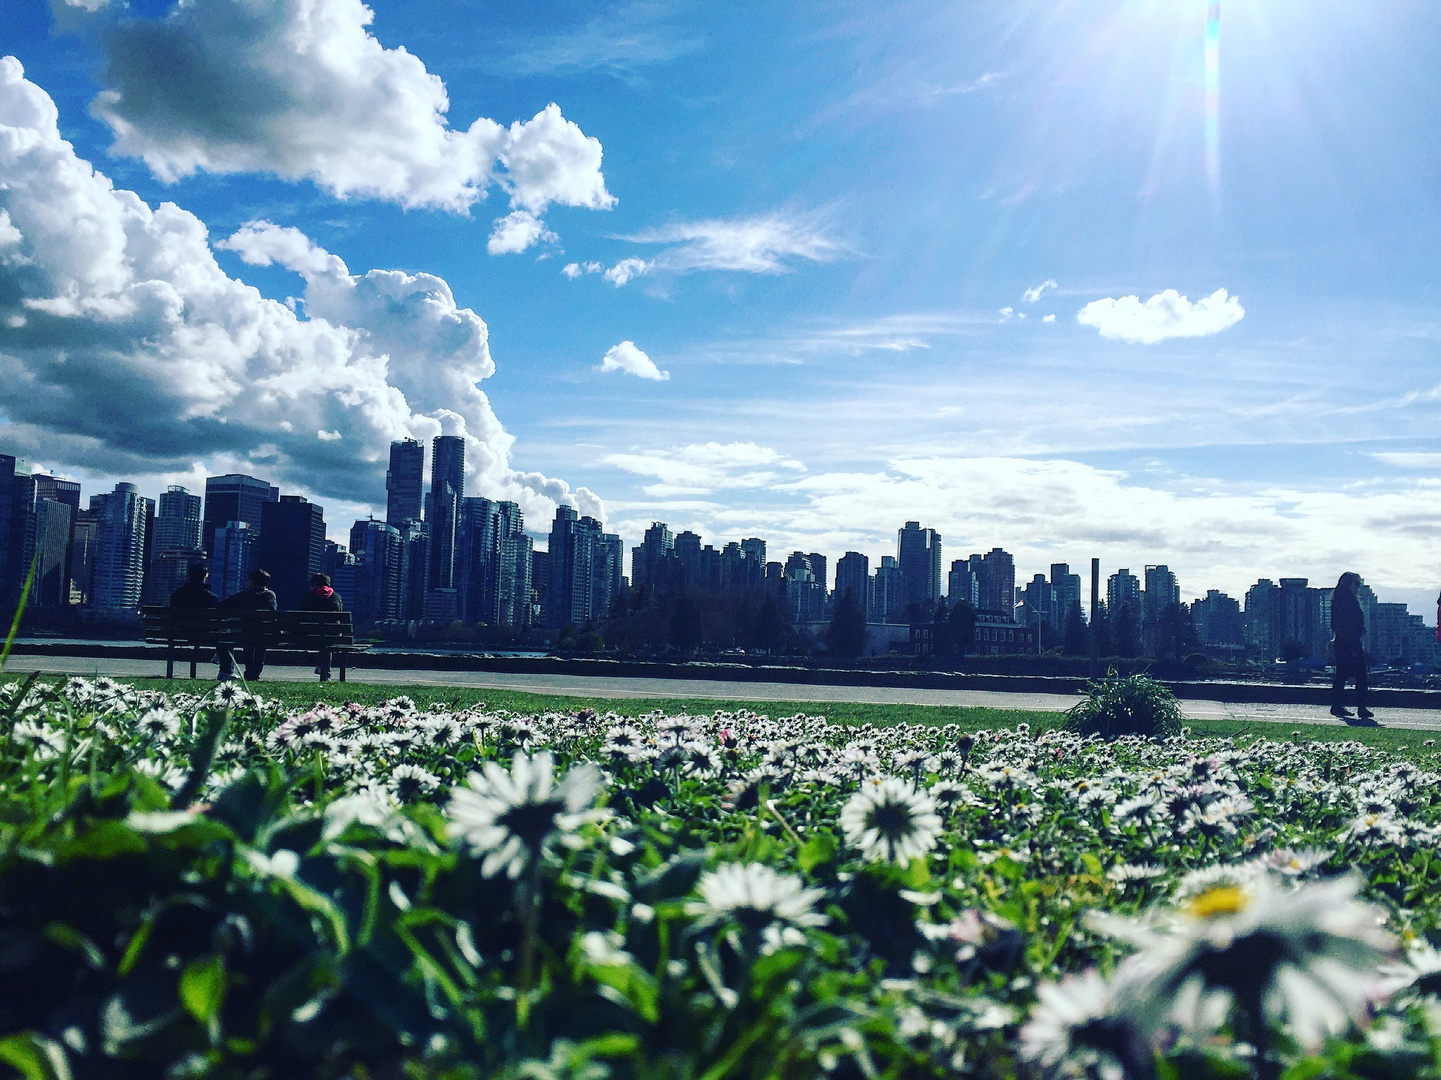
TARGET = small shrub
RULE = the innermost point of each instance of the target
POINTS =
(1126, 705)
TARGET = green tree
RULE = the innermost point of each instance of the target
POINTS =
(961, 628)
(1075, 643)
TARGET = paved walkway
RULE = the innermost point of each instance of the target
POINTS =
(720, 690)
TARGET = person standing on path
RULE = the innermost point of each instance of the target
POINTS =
(257, 597)
(1348, 627)
(321, 597)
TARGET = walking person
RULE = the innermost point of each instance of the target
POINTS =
(256, 597)
(1348, 627)
(321, 597)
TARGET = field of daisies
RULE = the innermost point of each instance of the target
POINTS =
(222, 886)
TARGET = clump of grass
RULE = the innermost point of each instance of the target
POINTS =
(1126, 705)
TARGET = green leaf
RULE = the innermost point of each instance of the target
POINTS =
(1091, 863)
(202, 988)
(821, 848)
(34, 1056)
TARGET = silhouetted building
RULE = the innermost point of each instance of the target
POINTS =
(1038, 602)
(447, 488)
(404, 482)
(1000, 635)
(1218, 622)
(120, 550)
(415, 568)
(853, 573)
(918, 554)
(1262, 619)
(53, 524)
(1123, 588)
(649, 560)
(84, 541)
(67, 492)
(17, 531)
(291, 547)
(233, 497)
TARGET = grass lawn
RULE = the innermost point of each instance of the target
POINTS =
(970, 718)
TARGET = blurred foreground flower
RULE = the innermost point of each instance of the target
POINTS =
(1310, 957)
(758, 898)
(510, 818)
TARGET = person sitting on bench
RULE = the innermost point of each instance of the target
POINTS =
(257, 597)
(321, 597)
(195, 593)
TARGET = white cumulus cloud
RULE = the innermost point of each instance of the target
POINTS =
(631, 360)
(1166, 315)
(1030, 296)
(302, 89)
(126, 349)
(517, 231)
(626, 269)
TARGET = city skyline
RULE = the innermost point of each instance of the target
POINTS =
(978, 268)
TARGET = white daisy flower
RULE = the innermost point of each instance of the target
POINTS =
(890, 821)
(756, 896)
(510, 818)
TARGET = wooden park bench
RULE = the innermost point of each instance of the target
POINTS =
(203, 630)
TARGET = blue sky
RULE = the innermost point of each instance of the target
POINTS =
(882, 255)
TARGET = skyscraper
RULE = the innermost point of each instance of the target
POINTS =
(1123, 588)
(232, 557)
(233, 497)
(648, 558)
(174, 544)
(918, 554)
(447, 488)
(887, 599)
(1066, 594)
(404, 482)
(962, 584)
(17, 531)
(125, 519)
(291, 546)
(66, 492)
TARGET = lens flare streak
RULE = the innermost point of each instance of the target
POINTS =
(1213, 103)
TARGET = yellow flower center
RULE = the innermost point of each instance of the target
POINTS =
(1222, 900)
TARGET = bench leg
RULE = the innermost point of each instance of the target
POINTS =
(193, 656)
(343, 657)
(170, 662)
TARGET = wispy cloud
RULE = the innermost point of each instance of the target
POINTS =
(1030, 296)
(702, 468)
(767, 244)
(1166, 315)
(619, 42)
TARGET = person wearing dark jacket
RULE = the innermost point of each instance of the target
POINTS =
(321, 597)
(195, 593)
(257, 597)
(1348, 627)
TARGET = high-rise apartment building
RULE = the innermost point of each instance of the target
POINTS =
(853, 572)
(648, 559)
(1065, 595)
(447, 488)
(233, 497)
(1038, 601)
(378, 572)
(67, 493)
(493, 563)
(996, 570)
(291, 546)
(1218, 622)
(17, 531)
(174, 543)
(415, 568)
(918, 554)
(963, 584)
(887, 599)
(585, 570)
(404, 482)
(1123, 588)
(1162, 592)
(121, 547)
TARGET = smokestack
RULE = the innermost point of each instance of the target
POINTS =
(1095, 603)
